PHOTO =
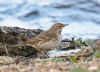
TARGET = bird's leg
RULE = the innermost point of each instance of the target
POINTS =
(45, 54)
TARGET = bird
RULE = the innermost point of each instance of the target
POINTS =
(47, 40)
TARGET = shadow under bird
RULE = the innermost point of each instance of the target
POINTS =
(47, 40)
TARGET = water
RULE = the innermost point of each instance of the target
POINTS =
(83, 16)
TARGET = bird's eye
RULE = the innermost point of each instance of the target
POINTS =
(59, 25)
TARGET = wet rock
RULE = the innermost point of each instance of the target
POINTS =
(32, 13)
(62, 6)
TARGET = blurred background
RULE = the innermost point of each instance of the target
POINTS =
(83, 16)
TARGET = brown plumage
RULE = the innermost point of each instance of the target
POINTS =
(47, 40)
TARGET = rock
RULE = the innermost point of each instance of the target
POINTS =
(93, 66)
(6, 60)
(97, 44)
(14, 38)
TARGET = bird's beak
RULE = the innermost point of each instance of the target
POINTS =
(66, 24)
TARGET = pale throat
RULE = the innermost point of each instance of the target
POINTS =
(59, 32)
(59, 35)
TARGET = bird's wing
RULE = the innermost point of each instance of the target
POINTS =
(44, 36)
(33, 40)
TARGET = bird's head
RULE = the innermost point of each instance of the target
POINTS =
(58, 26)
